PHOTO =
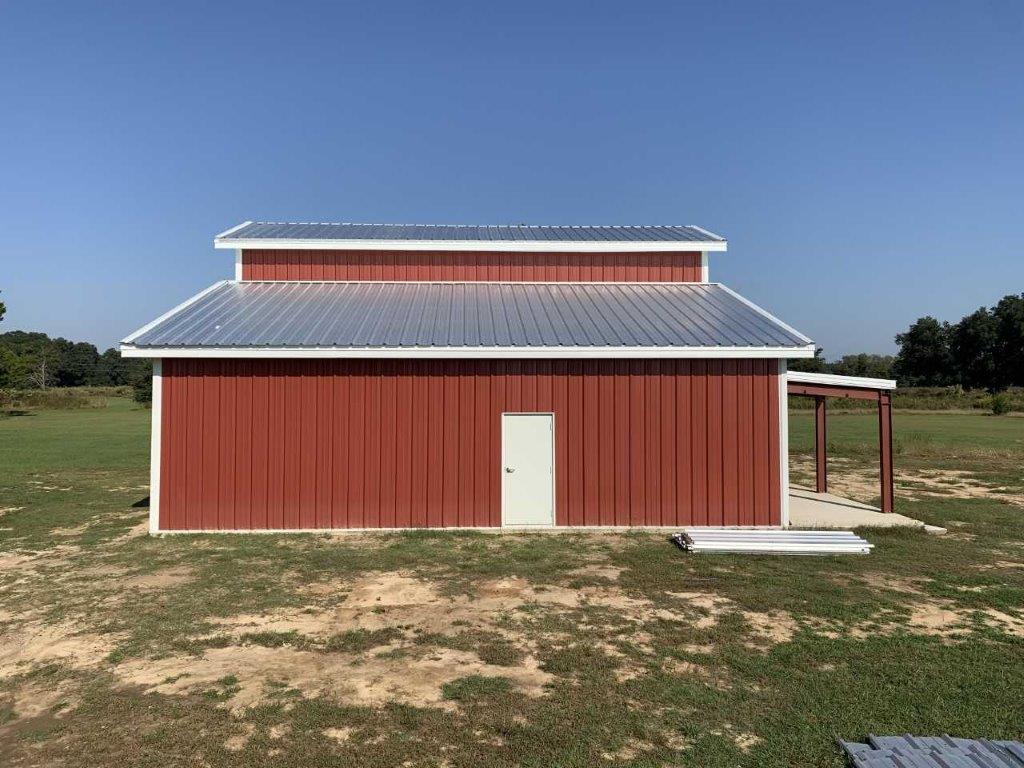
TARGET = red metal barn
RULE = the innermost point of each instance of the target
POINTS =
(383, 376)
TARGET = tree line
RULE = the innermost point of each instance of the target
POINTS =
(983, 350)
(35, 361)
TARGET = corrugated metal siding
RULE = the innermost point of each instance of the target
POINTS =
(468, 315)
(379, 443)
(272, 230)
(471, 265)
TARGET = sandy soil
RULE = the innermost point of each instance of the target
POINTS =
(861, 483)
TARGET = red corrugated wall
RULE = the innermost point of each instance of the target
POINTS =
(470, 265)
(391, 443)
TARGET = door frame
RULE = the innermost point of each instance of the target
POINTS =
(554, 469)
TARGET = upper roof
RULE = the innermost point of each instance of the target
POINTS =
(519, 237)
(515, 320)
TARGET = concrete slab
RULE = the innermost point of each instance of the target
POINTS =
(808, 509)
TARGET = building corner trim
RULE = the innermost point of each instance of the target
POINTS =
(155, 447)
(783, 445)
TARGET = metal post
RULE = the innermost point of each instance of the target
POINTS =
(885, 449)
(820, 457)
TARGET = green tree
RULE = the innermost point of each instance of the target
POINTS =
(1009, 316)
(3, 310)
(814, 364)
(924, 359)
(112, 370)
(864, 364)
(973, 348)
(76, 363)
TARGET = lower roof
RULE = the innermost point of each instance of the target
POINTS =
(835, 380)
(465, 319)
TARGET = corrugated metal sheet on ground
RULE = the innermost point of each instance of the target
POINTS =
(933, 752)
(417, 315)
(733, 540)
(272, 230)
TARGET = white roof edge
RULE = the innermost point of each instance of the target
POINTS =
(224, 240)
(191, 300)
(550, 353)
(708, 232)
(227, 232)
(863, 382)
(764, 312)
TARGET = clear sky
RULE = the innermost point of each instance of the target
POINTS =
(865, 160)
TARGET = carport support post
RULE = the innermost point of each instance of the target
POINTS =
(820, 457)
(885, 448)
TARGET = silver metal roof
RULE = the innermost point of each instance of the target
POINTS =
(368, 315)
(933, 752)
(506, 233)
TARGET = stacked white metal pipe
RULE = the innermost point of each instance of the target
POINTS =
(766, 541)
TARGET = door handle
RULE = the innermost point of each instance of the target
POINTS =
(510, 470)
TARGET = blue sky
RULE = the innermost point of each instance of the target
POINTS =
(865, 160)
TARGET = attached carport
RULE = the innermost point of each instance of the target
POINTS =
(821, 386)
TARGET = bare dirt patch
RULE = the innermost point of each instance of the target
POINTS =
(32, 642)
(861, 483)
(340, 735)
(138, 530)
(893, 582)
(162, 579)
(237, 742)
(632, 749)
(607, 572)
(360, 680)
(76, 530)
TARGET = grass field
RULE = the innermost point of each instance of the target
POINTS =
(481, 650)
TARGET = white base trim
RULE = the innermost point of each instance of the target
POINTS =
(492, 529)
(154, 447)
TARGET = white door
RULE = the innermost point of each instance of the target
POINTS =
(528, 469)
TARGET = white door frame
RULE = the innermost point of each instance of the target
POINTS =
(554, 468)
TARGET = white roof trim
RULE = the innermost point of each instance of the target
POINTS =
(764, 312)
(515, 353)
(227, 232)
(862, 382)
(224, 240)
(131, 337)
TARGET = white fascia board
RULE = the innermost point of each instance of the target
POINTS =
(766, 313)
(485, 353)
(191, 300)
(861, 382)
(536, 246)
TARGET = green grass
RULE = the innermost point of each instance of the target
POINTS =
(635, 674)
